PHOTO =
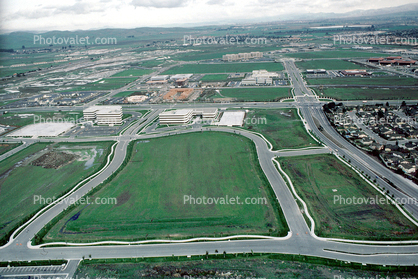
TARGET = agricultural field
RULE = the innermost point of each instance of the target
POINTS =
(334, 54)
(151, 193)
(43, 169)
(382, 81)
(319, 179)
(329, 64)
(342, 93)
(216, 77)
(224, 68)
(133, 72)
(282, 128)
(5, 147)
(27, 118)
(254, 94)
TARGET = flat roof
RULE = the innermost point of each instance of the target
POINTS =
(177, 112)
(42, 130)
(104, 109)
(232, 118)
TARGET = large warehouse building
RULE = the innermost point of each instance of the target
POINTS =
(104, 115)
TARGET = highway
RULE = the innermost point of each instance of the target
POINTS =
(300, 239)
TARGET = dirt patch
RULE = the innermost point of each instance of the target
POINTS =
(54, 160)
(124, 197)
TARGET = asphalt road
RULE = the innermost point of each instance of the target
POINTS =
(299, 241)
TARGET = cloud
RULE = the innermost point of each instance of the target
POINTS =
(159, 3)
(216, 2)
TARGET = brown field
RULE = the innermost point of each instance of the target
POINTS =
(178, 94)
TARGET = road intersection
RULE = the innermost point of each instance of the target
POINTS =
(300, 240)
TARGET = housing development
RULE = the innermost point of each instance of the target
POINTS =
(284, 153)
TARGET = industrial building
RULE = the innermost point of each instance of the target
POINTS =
(392, 60)
(242, 56)
(317, 71)
(136, 99)
(159, 79)
(232, 118)
(259, 77)
(104, 115)
(355, 73)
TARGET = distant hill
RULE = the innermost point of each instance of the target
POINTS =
(16, 40)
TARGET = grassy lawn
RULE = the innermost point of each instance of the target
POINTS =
(220, 77)
(238, 265)
(255, 94)
(3, 103)
(282, 128)
(133, 72)
(27, 118)
(334, 54)
(317, 177)
(333, 64)
(21, 179)
(150, 192)
(104, 84)
(385, 81)
(5, 147)
(224, 68)
(367, 93)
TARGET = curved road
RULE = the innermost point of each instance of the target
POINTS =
(301, 240)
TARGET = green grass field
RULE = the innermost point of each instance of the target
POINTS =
(255, 94)
(5, 147)
(333, 64)
(334, 54)
(20, 182)
(224, 68)
(317, 177)
(133, 72)
(3, 103)
(279, 129)
(219, 77)
(367, 93)
(150, 193)
(385, 81)
(23, 119)
(104, 84)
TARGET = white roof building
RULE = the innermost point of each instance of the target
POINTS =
(232, 118)
(104, 115)
(180, 116)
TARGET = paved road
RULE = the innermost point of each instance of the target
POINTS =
(300, 240)
(15, 150)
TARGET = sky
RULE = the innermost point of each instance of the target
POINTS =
(45, 15)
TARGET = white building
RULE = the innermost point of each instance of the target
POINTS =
(206, 113)
(232, 118)
(159, 77)
(242, 56)
(181, 76)
(259, 77)
(104, 115)
(180, 116)
(136, 98)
